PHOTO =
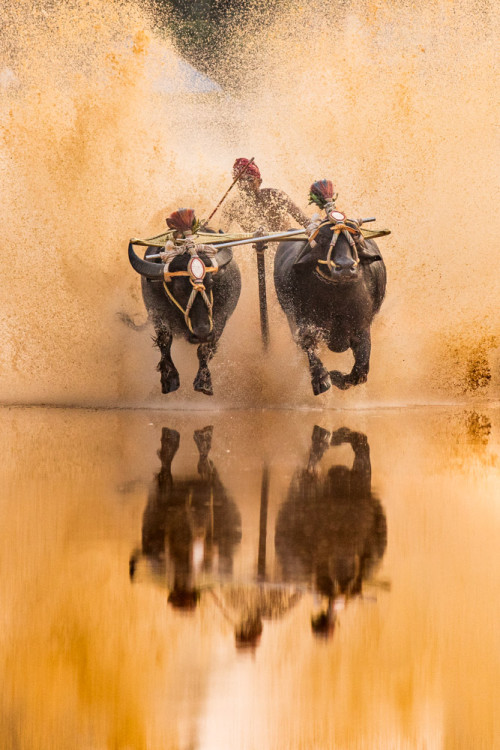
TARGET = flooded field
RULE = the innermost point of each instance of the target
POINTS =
(265, 569)
(260, 579)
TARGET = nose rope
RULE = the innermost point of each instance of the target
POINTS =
(348, 232)
(170, 252)
(197, 289)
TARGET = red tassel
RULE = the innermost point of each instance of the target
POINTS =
(182, 220)
(321, 192)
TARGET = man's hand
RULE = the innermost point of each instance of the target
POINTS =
(313, 225)
(260, 246)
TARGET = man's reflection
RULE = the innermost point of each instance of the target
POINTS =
(331, 530)
(188, 523)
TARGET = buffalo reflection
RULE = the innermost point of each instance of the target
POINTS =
(188, 524)
(331, 530)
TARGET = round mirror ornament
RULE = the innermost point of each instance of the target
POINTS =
(196, 268)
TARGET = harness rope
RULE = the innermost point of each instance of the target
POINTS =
(197, 288)
(349, 228)
(172, 251)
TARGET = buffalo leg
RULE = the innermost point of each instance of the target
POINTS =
(203, 379)
(153, 522)
(320, 442)
(170, 440)
(203, 440)
(320, 377)
(169, 375)
(361, 347)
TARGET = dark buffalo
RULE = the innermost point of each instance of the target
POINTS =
(330, 288)
(188, 522)
(186, 306)
(331, 530)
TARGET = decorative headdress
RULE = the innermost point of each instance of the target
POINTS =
(321, 193)
(183, 220)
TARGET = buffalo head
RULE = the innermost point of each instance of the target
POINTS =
(188, 281)
(333, 251)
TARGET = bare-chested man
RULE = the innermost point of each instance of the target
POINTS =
(255, 207)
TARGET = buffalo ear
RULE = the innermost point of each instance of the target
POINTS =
(224, 256)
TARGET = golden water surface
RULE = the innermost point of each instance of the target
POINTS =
(93, 657)
(264, 570)
(396, 102)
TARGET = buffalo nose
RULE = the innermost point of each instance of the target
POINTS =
(346, 268)
(345, 264)
(201, 334)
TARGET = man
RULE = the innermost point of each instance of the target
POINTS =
(256, 207)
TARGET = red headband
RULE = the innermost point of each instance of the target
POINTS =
(251, 170)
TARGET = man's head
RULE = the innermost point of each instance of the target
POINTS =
(250, 180)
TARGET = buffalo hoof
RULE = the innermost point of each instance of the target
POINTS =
(171, 384)
(203, 440)
(357, 378)
(320, 444)
(339, 380)
(321, 383)
(320, 438)
(342, 435)
(206, 389)
(203, 384)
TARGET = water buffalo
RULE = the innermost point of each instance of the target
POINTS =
(188, 523)
(330, 288)
(192, 295)
(331, 530)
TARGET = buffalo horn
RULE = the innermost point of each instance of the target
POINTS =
(145, 267)
(305, 255)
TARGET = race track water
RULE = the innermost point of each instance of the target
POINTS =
(260, 570)
(395, 103)
(94, 658)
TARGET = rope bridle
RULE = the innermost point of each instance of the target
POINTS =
(339, 224)
(196, 272)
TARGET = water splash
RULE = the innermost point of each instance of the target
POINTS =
(375, 96)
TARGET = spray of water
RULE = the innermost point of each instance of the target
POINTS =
(395, 104)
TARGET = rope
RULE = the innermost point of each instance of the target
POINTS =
(341, 227)
(172, 250)
(197, 288)
(348, 229)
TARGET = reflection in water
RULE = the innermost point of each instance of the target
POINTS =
(331, 530)
(190, 526)
(190, 531)
(89, 660)
(478, 428)
(330, 534)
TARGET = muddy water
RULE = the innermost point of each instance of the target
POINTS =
(399, 508)
(183, 578)
(395, 103)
